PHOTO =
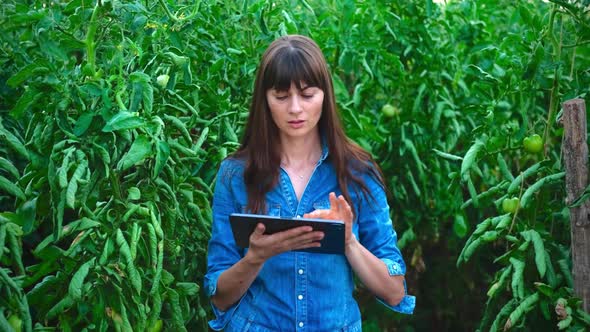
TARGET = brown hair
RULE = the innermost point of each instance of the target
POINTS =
(296, 59)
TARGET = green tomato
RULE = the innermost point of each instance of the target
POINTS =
(157, 326)
(389, 110)
(15, 322)
(509, 205)
(162, 80)
(533, 143)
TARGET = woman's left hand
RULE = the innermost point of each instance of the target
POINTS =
(339, 210)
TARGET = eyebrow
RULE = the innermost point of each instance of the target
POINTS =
(302, 89)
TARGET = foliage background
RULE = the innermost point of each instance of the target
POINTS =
(106, 171)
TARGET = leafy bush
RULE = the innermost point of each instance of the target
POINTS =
(115, 116)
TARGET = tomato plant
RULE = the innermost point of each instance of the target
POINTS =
(115, 116)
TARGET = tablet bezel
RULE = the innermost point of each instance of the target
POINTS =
(243, 224)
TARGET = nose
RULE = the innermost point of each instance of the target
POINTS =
(295, 105)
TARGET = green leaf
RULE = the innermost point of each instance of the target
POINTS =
(539, 252)
(460, 226)
(13, 142)
(60, 307)
(504, 168)
(527, 196)
(162, 155)
(125, 251)
(187, 288)
(7, 166)
(25, 73)
(515, 184)
(447, 155)
(187, 74)
(470, 158)
(525, 306)
(73, 184)
(517, 277)
(544, 288)
(176, 122)
(3, 227)
(11, 188)
(27, 99)
(230, 134)
(124, 120)
(142, 90)
(133, 194)
(472, 191)
(75, 288)
(506, 309)
(83, 123)
(27, 213)
(140, 149)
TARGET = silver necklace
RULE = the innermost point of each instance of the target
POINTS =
(289, 171)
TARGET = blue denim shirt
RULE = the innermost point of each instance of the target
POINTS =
(298, 291)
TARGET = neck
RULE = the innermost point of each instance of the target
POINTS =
(300, 151)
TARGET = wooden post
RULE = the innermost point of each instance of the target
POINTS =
(575, 155)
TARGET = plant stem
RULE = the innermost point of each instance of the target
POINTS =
(115, 185)
(168, 12)
(90, 35)
(573, 62)
(518, 206)
(555, 86)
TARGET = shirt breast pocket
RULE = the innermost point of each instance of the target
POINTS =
(273, 210)
(321, 205)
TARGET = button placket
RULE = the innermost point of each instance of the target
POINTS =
(300, 290)
(288, 191)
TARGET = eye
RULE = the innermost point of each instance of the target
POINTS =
(281, 97)
(307, 96)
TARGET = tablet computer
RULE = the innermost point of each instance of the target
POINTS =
(243, 225)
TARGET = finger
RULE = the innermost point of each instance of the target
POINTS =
(260, 228)
(333, 202)
(292, 233)
(307, 245)
(315, 214)
(345, 207)
(303, 238)
(304, 241)
(341, 202)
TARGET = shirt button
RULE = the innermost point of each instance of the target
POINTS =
(300, 324)
(300, 271)
(300, 297)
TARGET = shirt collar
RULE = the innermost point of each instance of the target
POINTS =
(325, 150)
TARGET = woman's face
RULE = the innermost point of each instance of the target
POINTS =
(296, 112)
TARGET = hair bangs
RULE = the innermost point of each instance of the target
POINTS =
(291, 65)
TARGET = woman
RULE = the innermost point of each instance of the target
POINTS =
(295, 160)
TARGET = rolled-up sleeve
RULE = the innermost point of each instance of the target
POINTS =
(376, 233)
(222, 250)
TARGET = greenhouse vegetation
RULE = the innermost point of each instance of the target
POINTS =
(115, 115)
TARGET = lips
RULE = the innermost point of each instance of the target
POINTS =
(296, 123)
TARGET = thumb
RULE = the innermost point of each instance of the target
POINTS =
(259, 230)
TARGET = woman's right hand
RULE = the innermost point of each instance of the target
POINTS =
(263, 247)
